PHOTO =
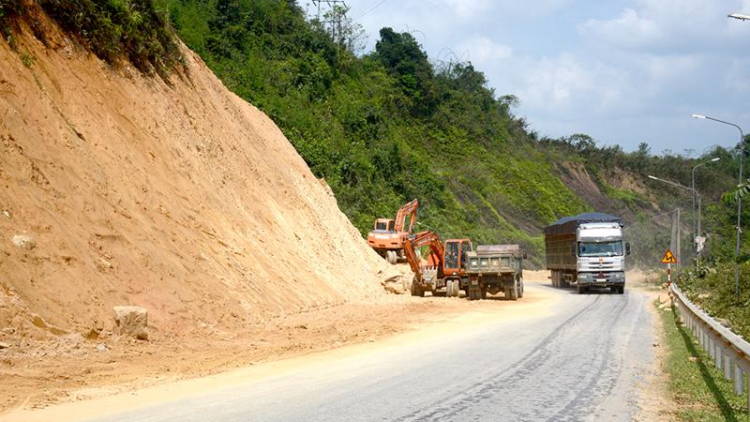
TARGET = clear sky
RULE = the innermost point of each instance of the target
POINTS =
(622, 71)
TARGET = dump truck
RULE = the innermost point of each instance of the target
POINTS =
(388, 236)
(587, 250)
(493, 269)
(443, 272)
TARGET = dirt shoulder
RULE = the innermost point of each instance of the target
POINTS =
(45, 376)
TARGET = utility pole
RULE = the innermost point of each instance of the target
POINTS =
(336, 16)
(674, 242)
(679, 241)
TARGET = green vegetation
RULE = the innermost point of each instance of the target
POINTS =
(28, 60)
(385, 127)
(390, 125)
(9, 10)
(700, 391)
(134, 29)
(712, 288)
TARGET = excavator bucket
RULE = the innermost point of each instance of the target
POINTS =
(429, 275)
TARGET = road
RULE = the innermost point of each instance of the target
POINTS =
(582, 362)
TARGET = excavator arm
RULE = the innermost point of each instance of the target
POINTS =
(425, 238)
(409, 210)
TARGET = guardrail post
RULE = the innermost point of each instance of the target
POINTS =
(728, 365)
(714, 347)
(739, 379)
(718, 354)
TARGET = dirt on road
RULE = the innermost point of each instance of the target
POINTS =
(43, 377)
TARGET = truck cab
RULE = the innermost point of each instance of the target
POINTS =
(600, 255)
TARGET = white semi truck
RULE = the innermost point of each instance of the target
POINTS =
(587, 250)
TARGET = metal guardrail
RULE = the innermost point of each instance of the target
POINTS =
(730, 352)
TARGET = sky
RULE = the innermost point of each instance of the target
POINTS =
(623, 72)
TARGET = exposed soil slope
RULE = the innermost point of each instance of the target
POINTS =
(181, 198)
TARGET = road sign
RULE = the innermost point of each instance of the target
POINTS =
(668, 258)
(700, 243)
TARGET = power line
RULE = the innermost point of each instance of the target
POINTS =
(370, 9)
(331, 4)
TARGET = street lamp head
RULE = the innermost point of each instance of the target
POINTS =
(739, 16)
(652, 177)
(715, 159)
(698, 116)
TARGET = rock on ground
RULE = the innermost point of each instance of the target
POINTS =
(24, 242)
(132, 320)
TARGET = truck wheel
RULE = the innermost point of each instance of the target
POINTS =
(621, 290)
(473, 293)
(456, 288)
(554, 279)
(513, 292)
(449, 288)
(581, 289)
(520, 289)
(391, 257)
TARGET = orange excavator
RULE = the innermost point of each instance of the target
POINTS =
(444, 271)
(388, 236)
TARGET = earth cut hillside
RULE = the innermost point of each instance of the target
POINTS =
(178, 197)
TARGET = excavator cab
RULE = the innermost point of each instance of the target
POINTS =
(455, 256)
(389, 234)
(385, 224)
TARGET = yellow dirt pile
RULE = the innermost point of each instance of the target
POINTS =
(120, 189)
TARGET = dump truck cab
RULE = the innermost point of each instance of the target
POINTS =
(495, 268)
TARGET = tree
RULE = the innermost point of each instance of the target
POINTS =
(403, 57)
(345, 33)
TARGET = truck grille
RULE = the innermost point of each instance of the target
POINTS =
(602, 266)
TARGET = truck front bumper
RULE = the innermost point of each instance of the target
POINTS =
(604, 279)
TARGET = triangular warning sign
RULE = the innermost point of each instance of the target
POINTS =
(668, 258)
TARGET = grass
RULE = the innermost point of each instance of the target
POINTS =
(137, 30)
(715, 293)
(28, 60)
(700, 391)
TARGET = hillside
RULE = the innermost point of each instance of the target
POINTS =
(172, 194)
(389, 125)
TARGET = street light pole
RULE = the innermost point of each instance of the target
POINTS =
(697, 230)
(739, 199)
(675, 184)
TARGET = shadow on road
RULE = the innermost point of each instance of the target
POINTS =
(572, 290)
(724, 405)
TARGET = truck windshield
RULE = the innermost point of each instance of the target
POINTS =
(600, 249)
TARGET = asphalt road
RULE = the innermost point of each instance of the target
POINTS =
(583, 363)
